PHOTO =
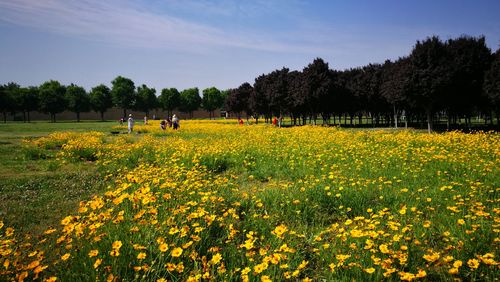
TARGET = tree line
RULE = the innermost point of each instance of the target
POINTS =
(52, 98)
(451, 80)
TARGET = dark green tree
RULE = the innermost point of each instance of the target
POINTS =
(5, 102)
(237, 100)
(430, 77)
(123, 93)
(469, 60)
(78, 100)
(146, 99)
(52, 98)
(190, 100)
(10, 98)
(100, 99)
(169, 99)
(29, 101)
(492, 85)
(212, 100)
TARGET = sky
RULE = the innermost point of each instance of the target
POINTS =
(221, 43)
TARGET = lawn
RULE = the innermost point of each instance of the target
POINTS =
(215, 200)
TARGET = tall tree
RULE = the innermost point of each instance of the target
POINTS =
(212, 99)
(11, 98)
(190, 100)
(29, 101)
(52, 98)
(394, 85)
(492, 85)
(316, 87)
(5, 102)
(470, 59)
(169, 99)
(238, 99)
(123, 93)
(78, 100)
(146, 99)
(101, 99)
(430, 76)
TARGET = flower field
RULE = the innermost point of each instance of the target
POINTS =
(217, 201)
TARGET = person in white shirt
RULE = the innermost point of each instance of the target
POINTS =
(130, 123)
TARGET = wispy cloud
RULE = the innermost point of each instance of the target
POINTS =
(129, 24)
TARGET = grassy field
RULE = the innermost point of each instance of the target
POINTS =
(218, 201)
(35, 188)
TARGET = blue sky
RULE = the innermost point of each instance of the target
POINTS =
(222, 43)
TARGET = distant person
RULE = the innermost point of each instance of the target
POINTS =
(145, 120)
(154, 117)
(169, 122)
(240, 121)
(163, 124)
(121, 121)
(175, 122)
(280, 121)
(130, 123)
(275, 121)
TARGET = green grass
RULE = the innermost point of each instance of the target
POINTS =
(35, 188)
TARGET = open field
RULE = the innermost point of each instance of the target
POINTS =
(219, 201)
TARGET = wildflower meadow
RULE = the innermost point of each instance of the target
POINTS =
(217, 201)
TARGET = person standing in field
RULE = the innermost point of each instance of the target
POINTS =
(275, 121)
(130, 123)
(175, 121)
(145, 120)
(163, 124)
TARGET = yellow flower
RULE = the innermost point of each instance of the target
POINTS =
(93, 253)
(216, 259)
(461, 221)
(176, 252)
(369, 270)
(51, 279)
(265, 278)
(141, 256)
(457, 264)
(117, 245)
(384, 249)
(65, 256)
(431, 257)
(453, 271)
(163, 247)
(97, 263)
(473, 263)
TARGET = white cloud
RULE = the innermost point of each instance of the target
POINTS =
(126, 23)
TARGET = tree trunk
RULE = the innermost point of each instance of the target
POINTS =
(429, 121)
(4, 117)
(395, 116)
(77, 116)
(29, 120)
(102, 116)
(124, 113)
(24, 116)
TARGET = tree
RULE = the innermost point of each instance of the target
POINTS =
(78, 100)
(394, 85)
(190, 100)
(146, 99)
(10, 98)
(101, 99)
(52, 98)
(430, 76)
(238, 99)
(169, 99)
(5, 102)
(212, 100)
(123, 93)
(29, 101)
(492, 85)
(316, 86)
(469, 59)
